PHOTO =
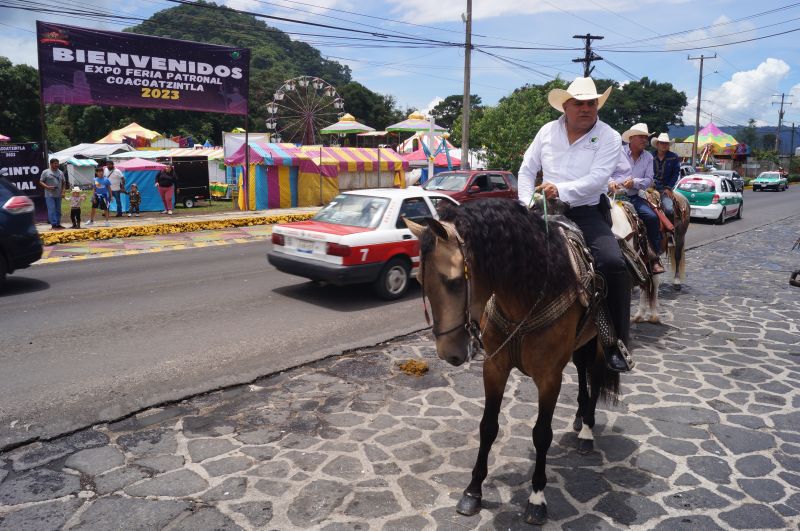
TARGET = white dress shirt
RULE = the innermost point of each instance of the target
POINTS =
(580, 170)
(640, 169)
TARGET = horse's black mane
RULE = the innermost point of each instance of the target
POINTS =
(509, 248)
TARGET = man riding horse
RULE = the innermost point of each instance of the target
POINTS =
(577, 155)
(637, 181)
(666, 172)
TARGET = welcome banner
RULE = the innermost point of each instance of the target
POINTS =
(80, 66)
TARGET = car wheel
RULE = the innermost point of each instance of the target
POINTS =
(739, 213)
(721, 219)
(188, 203)
(392, 283)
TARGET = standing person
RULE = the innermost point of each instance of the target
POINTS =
(53, 182)
(577, 155)
(75, 199)
(117, 185)
(638, 180)
(165, 182)
(135, 199)
(667, 171)
(101, 196)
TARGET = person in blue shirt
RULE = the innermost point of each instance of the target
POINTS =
(101, 195)
(666, 172)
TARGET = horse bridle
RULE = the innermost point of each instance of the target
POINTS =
(471, 325)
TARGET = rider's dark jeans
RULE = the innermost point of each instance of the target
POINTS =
(609, 262)
(650, 218)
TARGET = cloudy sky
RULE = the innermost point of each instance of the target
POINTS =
(523, 41)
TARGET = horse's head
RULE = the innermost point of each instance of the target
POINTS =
(443, 274)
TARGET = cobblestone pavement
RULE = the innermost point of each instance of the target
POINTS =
(706, 436)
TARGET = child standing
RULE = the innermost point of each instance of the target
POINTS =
(135, 199)
(75, 207)
(101, 195)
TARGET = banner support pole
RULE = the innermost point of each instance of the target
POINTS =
(43, 123)
(246, 177)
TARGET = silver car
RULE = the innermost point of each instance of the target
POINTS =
(738, 182)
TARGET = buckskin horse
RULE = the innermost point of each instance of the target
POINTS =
(499, 253)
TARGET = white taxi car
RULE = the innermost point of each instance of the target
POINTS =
(358, 237)
(711, 196)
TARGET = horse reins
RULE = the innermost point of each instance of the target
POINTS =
(469, 324)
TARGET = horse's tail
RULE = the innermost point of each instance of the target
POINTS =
(606, 380)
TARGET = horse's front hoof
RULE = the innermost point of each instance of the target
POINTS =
(638, 318)
(654, 319)
(536, 514)
(577, 424)
(469, 505)
(676, 287)
(585, 446)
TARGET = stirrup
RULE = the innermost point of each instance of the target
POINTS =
(624, 356)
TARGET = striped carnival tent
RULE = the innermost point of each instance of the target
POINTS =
(359, 168)
(281, 176)
(80, 172)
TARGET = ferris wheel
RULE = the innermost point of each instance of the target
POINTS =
(301, 107)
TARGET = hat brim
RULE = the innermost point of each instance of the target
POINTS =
(654, 142)
(558, 97)
(626, 136)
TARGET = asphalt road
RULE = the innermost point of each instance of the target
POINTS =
(89, 341)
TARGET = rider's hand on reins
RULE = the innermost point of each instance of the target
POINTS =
(549, 190)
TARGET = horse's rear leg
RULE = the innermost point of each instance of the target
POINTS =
(581, 363)
(494, 383)
(536, 511)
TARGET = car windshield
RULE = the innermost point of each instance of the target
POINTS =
(447, 181)
(696, 185)
(769, 176)
(354, 210)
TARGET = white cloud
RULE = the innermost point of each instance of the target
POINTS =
(746, 95)
(426, 11)
(720, 33)
(431, 104)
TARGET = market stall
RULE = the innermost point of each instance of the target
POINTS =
(281, 176)
(80, 172)
(142, 173)
(359, 168)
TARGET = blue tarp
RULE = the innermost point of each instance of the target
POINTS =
(145, 180)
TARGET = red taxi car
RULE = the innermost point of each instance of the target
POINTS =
(359, 237)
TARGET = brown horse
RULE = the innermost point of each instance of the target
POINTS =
(673, 247)
(498, 247)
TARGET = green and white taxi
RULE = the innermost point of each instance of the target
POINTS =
(770, 180)
(711, 197)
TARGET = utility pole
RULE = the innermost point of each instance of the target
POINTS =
(780, 122)
(699, 95)
(465, 104)
(589, 56)
(791, 150)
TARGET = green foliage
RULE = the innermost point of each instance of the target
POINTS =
(19, 102)
(370, 108)
(768, 141)
(507, 129)
(748, 134)
(446, 113)
(274, 58)
(766, 154)
(658, 105)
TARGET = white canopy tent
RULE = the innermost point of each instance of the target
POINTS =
(91, 151)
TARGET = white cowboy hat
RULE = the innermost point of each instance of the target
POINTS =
(663, 137)
(638, 129)
(582, 88)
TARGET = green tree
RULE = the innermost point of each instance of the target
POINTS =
(768, 141)
(370, 108)
(507, 129)
(19, 102)
(658, 105)
(448, 110)
(748, 134)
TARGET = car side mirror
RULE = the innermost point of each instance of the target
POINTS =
(474, 189)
